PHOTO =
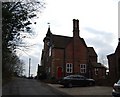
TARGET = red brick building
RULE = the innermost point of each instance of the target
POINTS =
(114, 64)
(63, 55)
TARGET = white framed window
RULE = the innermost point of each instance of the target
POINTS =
(69, 68)
(96, 71)
(82, 68)
(50, 51)
(49, 69)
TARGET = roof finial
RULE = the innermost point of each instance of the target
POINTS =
(48, 32)
(48, 25)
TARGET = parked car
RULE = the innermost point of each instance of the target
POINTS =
(116, 89)
(76, 80)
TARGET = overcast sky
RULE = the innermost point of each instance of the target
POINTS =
(98, 23)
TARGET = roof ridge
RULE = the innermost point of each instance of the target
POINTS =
(61, 36)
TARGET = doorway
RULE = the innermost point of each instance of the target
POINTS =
(59, 72)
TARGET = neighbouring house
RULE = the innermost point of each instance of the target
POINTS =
(64, 55)
(114, 64)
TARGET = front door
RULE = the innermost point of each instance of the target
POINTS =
(59, 72)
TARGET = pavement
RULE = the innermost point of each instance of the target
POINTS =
(92, 90)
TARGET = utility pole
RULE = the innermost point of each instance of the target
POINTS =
(29, 66)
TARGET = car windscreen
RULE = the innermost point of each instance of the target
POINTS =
(67, 77)
(118, 82)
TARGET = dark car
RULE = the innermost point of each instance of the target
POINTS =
(76, 80)
(116, 89)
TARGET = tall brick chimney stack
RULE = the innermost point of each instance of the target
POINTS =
(75, 28)
(75, 43)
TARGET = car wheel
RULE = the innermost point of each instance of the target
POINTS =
(65, 86)
(70, 85)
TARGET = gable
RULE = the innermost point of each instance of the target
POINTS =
(59, 41)
(118, 49)
(98, 65)
(83, 42)
(91, 52)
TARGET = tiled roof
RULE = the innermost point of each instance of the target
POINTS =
(98, 65)
(116, 51)
(91, 51)
(118, 48)
(60, 41)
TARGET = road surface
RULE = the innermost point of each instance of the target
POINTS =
(91, 91)
(22, 86)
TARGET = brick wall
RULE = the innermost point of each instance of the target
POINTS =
(57, 61)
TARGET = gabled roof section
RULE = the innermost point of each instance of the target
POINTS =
(116, 51)
(98, 65)
(91, 52)
(110, 55)
(60, 41)
(118, 48)
(83, 41)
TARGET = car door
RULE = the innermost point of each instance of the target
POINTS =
(78, 80)
(82, 81)
(74, 80)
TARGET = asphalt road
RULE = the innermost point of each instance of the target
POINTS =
(22, 86)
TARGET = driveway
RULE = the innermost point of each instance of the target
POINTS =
(93, 90)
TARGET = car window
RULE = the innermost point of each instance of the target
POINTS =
(82, 78)
(118, 82)
(76, 77)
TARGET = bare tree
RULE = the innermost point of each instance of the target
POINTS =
(16, 21)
